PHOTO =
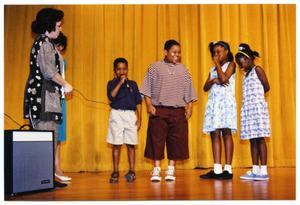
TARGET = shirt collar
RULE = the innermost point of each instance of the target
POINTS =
(169, 64)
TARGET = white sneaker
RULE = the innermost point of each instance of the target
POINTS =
(170, 174)
(155, 177)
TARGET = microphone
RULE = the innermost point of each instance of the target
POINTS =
(126, 83)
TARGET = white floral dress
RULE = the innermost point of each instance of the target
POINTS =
(255, 121)
(221, 105)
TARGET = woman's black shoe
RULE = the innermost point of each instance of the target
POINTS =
(57, 184)
(211, 175)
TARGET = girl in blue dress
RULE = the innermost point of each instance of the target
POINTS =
(61, 45)
(255, 120)
(220, 115)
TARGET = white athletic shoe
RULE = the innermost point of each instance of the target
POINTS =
(170, 174)
(155, 177)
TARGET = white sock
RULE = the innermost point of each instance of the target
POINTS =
(263, 170)
(255, 169)
(227, 167)
(218, 168)
(157, 168)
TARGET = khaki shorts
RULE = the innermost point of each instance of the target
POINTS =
(122, 128)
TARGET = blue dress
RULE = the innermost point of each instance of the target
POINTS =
(62, 128)
(221, 105)
(255, 120)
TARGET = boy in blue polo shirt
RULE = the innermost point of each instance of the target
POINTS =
(124, 123)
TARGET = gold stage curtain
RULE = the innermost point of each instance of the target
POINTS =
(97, 34)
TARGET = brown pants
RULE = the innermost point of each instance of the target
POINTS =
(168, 126)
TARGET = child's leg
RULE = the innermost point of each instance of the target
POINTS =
(172, 163)
(131, 156)
(116, 157)
(217, 150)
(254, 151)
(254, 155)
(262, 147)
(228, 144)
(216, 146)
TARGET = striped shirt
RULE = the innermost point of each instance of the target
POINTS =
(168, 85)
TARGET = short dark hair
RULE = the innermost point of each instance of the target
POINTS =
(246, 51)
(170, 43)
(120, 60)
(46, 20)
(61, 40)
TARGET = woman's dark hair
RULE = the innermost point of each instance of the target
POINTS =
(170, 43)
(46, 20)
(61, 40)
(245, 51)
(224, 45)
(119, 60)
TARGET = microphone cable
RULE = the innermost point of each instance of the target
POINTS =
(74, 90)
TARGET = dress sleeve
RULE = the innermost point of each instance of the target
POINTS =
(46, 60)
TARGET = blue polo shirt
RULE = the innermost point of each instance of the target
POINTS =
(128, 96)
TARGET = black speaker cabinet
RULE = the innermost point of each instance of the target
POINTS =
(28, 161)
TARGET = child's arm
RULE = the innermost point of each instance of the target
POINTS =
(150, 108)
(139, 116)
(209, 83)
(188, 110)
(115, 91)
(224, 77)
(263, 78)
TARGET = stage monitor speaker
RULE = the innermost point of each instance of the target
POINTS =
(28, 161)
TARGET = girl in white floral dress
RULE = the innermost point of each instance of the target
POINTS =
(255, 122)
(220, 115)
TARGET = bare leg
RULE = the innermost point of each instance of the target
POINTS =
(254, 151)
(57, 159)
(262, 147)
(228, 143)
(171, 163)
(216, 146)
(131, 156)
(116, 157)
(156, 163)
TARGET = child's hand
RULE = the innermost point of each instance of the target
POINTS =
(188, 113)
(122, 78)
(217, 81)
(151, 110)
(216, 61)
(138, 124)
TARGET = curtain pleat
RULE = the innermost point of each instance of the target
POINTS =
(97, 34)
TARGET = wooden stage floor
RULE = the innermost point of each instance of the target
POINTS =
(188, 186)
